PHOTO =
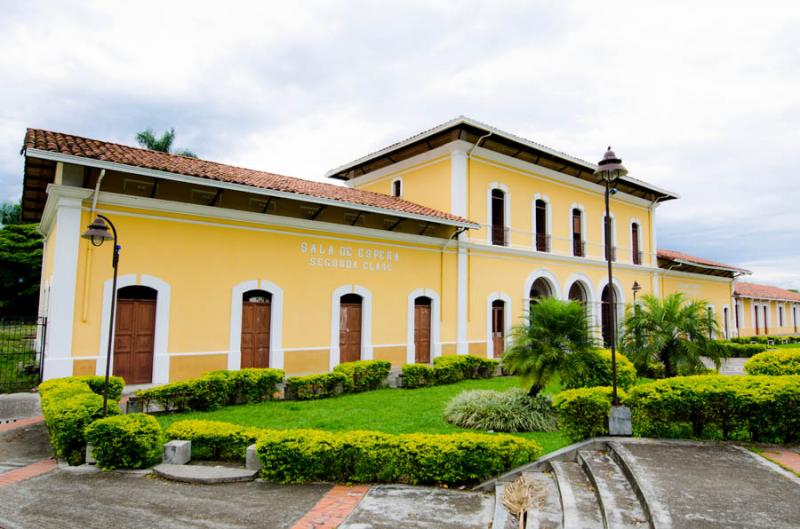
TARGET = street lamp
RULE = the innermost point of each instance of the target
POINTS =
(635, 288)
(98, 233)
(610, 169)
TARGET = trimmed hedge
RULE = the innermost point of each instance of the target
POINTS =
(583, 413)
(214, 440)
(775, 363)
(96, 383)
(316, 386)
(298, 456)
(593, 368)
(364, 375)
(447, 370)
(741, 350)
(766, 339)
(69, 405)
(417, 376)
(125, 441)
(753, 408)
(214, 390)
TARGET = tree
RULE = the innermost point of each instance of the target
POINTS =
(675, 331)
(10, 213)
(554, 330)
(163, 143)
(20, 269)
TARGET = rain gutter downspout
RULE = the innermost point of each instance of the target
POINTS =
(441, 265)
(88, 269)
(468, 175)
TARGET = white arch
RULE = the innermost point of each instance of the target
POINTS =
(366, 322)
(591, 302)
(275, 323)
(161, 338)
(436, 344)
(506, 210)
(548, 218)
(582, 208)
(495, 296)
(548, 276)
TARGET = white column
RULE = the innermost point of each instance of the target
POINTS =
(58, 349)
(462, 347)
(458, 181)
(653, 243)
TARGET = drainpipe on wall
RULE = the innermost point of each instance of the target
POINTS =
(469, 256)
(88, 270)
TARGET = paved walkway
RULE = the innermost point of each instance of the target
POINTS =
(786, 458)
(25, 450)
(333, 508)
(730, 366)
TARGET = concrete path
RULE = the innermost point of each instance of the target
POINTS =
(19, 406)
(23, 443)
(396, 506)
(730, 366)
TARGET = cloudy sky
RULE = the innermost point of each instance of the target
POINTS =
(702, 98)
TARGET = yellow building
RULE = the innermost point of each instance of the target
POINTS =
(765, 310)
(434, 245)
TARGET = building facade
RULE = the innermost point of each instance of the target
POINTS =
(435, 245)
(762, 310)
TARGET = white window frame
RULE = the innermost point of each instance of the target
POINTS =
(636, 221)
(506, 210)
(548, 213)
(391, 191)
(366, 322)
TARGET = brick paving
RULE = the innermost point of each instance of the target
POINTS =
(333, 508)
(787, 458)
(4, 427)
(27, 472)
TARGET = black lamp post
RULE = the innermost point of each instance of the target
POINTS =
(98, 233)
(610, 169)
(635, 288)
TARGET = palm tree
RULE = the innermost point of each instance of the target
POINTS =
(554, 330)
(675, 331)
(148, 140)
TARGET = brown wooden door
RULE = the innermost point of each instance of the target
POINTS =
(498, 329)
(255, 334)
(766, 326)
(134, 339)
(350, 332)
(422, 334)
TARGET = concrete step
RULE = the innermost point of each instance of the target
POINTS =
(549, 516)
(502, 518)
(619, 503)
(579, 500)
(205, 474)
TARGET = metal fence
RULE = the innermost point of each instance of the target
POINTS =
(21, 353)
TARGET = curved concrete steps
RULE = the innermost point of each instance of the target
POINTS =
(579, 503)
(618, 501)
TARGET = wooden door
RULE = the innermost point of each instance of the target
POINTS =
(350, 332)
(422, 334)
(255, 334)
(134, 339)
(766, 325)
(498, 329)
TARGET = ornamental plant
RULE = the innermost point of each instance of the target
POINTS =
(507, 411)
(125, 441)
(583, 413)
(775, 363)
(593, 368)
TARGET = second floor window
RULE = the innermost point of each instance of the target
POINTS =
(397, 188)
(609, 250)
(636, 252)
(498, 215)
(577, 233)
(542, 240)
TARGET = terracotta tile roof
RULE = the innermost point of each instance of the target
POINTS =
(752, 290)
(58, 142)
(672, 255)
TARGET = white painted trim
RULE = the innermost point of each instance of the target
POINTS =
(366, 322)
(161, 338)
(462, 294)
(458, 182)
(436, 346)
(547, 275)
(676, 273)
(507, 312)
(67, 215)
(548, 213)
(506, 210)
(275, 324)
(582, 208)
(591, 303)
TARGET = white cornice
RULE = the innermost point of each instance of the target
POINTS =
(59, 196)
(675, 273)
(207, 182)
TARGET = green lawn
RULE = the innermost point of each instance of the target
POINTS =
(787, 346)
(392, 411)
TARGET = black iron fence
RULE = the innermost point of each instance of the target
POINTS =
(21, 353)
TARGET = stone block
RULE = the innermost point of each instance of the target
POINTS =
(177, 452)
(619, 421)
(90, 460)
(251, 459)
(133, 405)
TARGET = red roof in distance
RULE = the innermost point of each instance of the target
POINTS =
(753, 290)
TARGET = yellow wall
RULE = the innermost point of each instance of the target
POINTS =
(715, 292)
(773, 327)
(426, 183)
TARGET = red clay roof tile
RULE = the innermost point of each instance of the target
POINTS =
(753, 290)
(672, 255)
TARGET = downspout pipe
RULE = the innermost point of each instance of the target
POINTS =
(88, 268)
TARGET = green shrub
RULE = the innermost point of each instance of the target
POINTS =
(364, 375)
(316, 386)
(775, 363)
(297, 456)
(213, 440)
(764, 340)
(214, 390)
(583, 413)
(754, 408)
(741, 350)
(96, 384)
(593, 368)
(508, 411)
(125, 441)
(69, 406)
(417, 376)
(651, 370)
(453, 368)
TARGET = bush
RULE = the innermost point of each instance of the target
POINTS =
(69, 406)
(651, 370)
(125, 441)
(583, 413)
(741, 350)
(214, 390)
(454, 368)
(364, 375)
(213, 440)
(593, 368)
(754, 408)
(96, 383)
(507, 411)
(775, 363)
(297, 456)
(316, 386)
(764, 340)
(417, 376)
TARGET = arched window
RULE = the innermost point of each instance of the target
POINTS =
(498, 217)
(780, 315)
(350, 321)
(541, 288)
(636, 252)
(577, 292)
(609, 313)
(578, 245)
(540, 218)
(397, 187)
(134, 334)
(256, 327)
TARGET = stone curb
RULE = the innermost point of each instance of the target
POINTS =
(202, 474)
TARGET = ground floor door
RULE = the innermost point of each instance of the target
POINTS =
(255, 334)
(422, 333)
(134, 339)
(350, 332)
(498, 328)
